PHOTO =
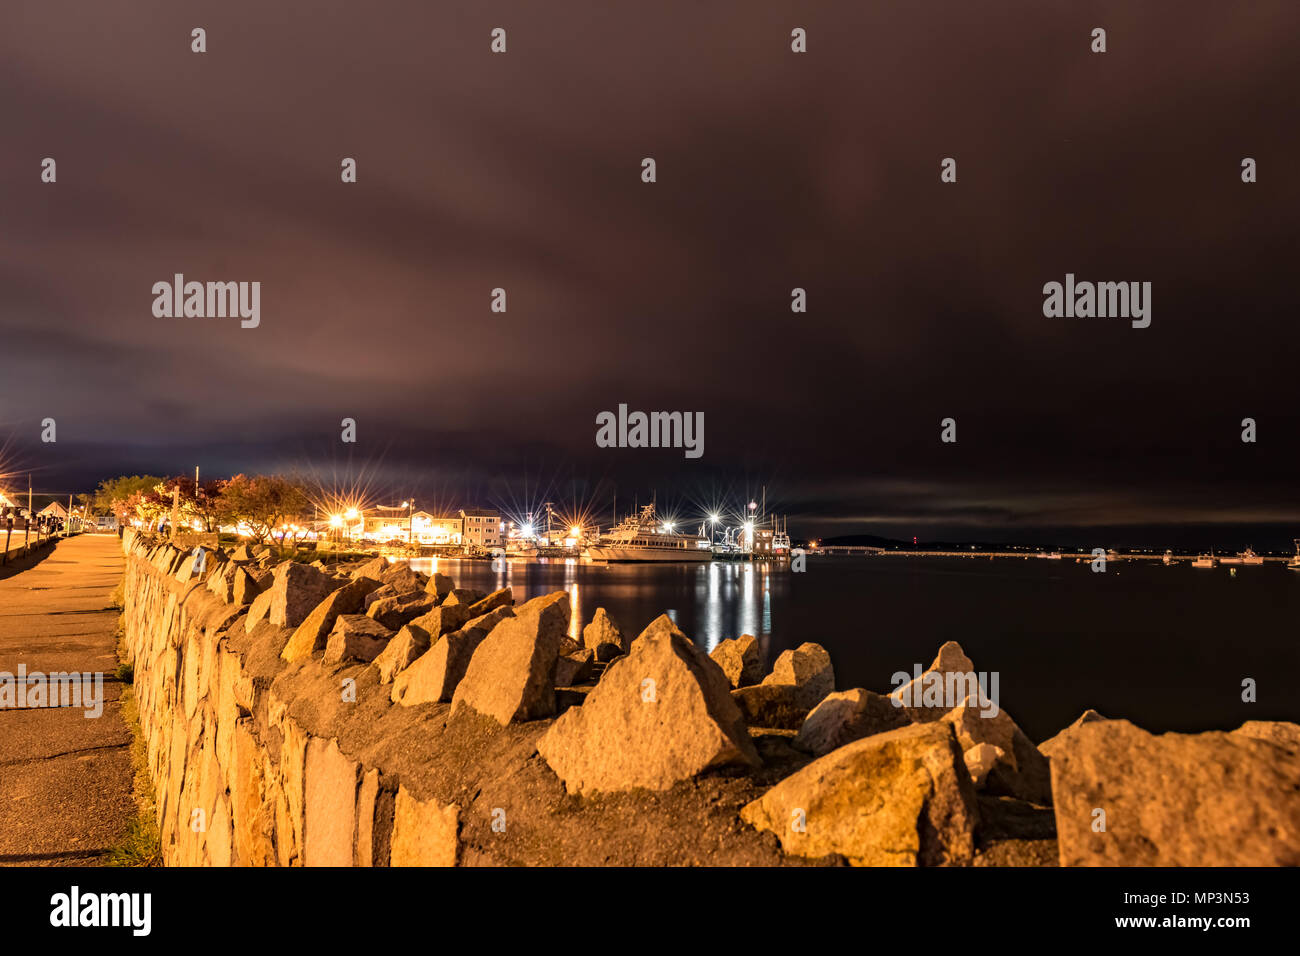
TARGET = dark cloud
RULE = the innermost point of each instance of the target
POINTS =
(775, 171)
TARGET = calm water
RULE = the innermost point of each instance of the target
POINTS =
(1166, 647)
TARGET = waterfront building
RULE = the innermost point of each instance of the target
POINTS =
(481, 527)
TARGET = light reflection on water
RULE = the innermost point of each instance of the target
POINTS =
(709, 602)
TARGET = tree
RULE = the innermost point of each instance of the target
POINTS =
(270, 506)
(114, 496)
(204, 507)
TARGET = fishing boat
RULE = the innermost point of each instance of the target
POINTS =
(643, 537)
(1204, 561)
(1294, 563)
(1250, 557)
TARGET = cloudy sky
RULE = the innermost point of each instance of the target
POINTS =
(775, 171)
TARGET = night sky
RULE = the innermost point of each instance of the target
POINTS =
(775, 170)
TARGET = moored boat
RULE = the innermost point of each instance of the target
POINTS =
(643, 537)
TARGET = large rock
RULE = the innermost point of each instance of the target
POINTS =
(442, 620)
(603, 637)
(501, 598)
(435, 675)
(1020, 770)
(782, 706)
(259, 611)
(799, 681)
(295, 592)
(1211, 799)
(397, 612)
(465, 596)
(312, 633)
(244, 587)
(848, 716)
(660, 714)
(425, 832)
(1050, 746)
(1280, 732)
(402, 579)
(512, 673)
(221, 581)
(808, 668)
(401, 652)
(741, 660)
(942, 686)
(574, 667)
(374, 568)
(900, 798)
(439, 585)
(356, 637)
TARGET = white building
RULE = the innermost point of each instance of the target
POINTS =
(436, 529)
(482, 527)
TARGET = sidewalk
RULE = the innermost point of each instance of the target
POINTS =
(65, 779)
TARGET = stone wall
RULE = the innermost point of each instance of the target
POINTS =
(240, 780)
(370, 715)
(283, 729)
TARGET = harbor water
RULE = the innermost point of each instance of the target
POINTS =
(1165, 647)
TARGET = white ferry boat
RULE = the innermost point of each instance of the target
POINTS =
(644, 538)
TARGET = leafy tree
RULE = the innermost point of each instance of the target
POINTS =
(270, 506)
(204, 507)
(114, 496)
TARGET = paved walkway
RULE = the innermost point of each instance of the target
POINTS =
(65, 779)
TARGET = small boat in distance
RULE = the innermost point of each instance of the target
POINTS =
(1050, 555)
(1204, 561)
(1169, 557)
(1294, 563)
(1250, 557)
